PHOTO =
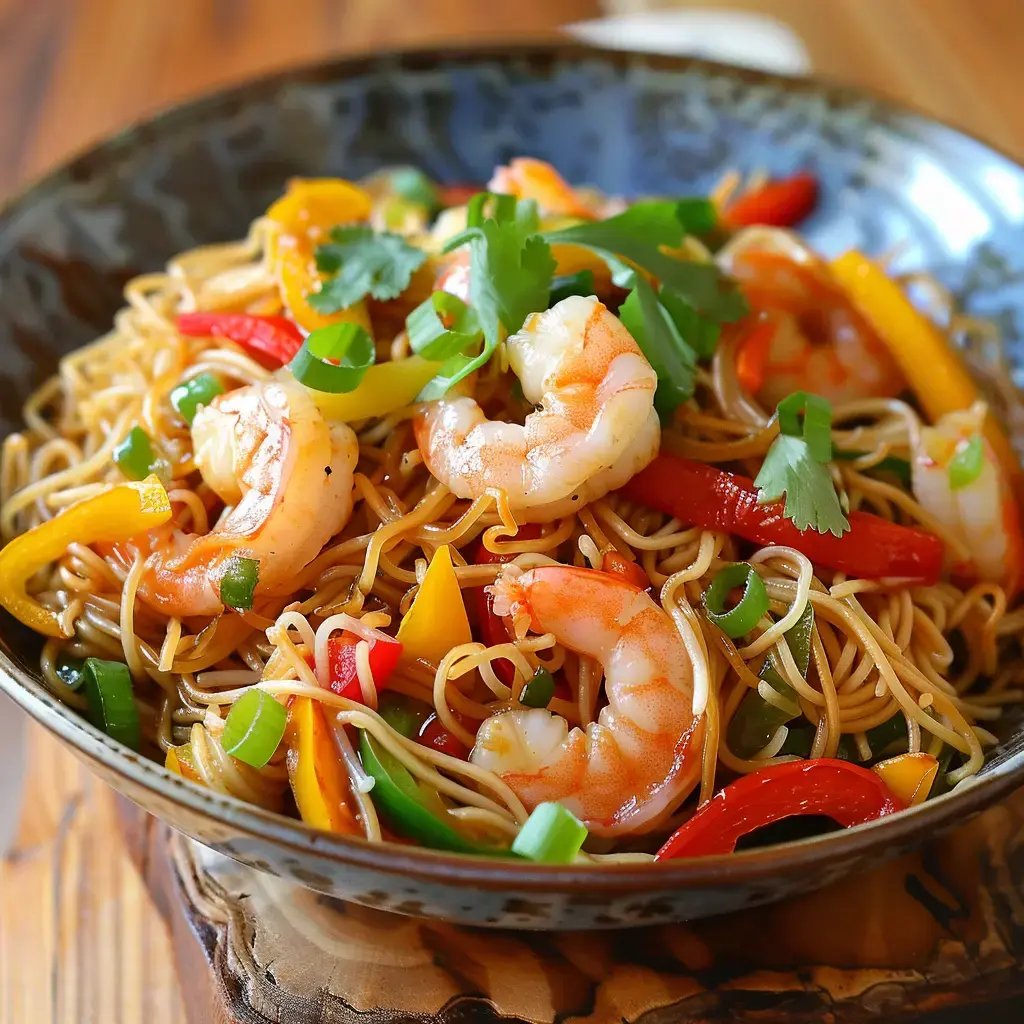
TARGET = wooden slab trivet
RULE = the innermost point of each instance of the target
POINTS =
(938, 934)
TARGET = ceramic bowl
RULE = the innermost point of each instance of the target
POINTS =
(891, 180)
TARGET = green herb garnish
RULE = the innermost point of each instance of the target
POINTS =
(797, 466)
(363, 263)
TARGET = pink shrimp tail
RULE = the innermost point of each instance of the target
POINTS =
(511, 598)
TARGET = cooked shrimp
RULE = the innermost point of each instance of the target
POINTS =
(594, 429)
(639, 760)
(527, 178)
(803, 333)
(285, 474)
(983, 513)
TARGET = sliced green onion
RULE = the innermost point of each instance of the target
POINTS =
(966, 465)
(238, 584)
(350, 350)
(254, 728)
(108, 690)
(580, 283)
(551, 835)
(441, 327)
(808, 416)
(190, 394)
(537, 693)
(413, 185)
(742, 618)
(404, 714)
(134, 456)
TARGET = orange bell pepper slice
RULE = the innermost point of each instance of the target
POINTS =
(316, 772)
(306, 213)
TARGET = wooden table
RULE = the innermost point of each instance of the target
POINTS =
(80, 941)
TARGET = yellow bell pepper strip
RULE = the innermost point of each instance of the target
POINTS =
(386, 388)
(437, 620)
(306, 213)
(315, 770)
(181, 761)
(909, 776)
(114, 516)
(933, 369)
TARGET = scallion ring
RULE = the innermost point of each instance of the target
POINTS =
(966, 465)
(108, 690)
(334, 358)
(746, 614)
(254, 728)
(238, 584)
(551, 835)
(537, 693)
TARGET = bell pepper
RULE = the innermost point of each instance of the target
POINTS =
(492, 627)
(411, 808)
(437, 620)
(932, 367)
(433, 734)
(845, 792)
(617, 565)
(181, 761)
(756, 721)
(316, 773)
(273, 340)
(780, 203)
(909, 776)
(114, 516)
(386, 388)
(697, 493)
(341, 658)
(307, 212)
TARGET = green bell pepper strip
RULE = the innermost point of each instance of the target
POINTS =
(756, 721)
(411, 809)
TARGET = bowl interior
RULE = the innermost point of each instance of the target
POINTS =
(891, 181)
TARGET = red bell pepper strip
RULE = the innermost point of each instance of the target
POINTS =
(341, 659)
(492, 627)
(703, 495)
(631, 572)
(457, 195)
(433, 734)
(780, 204)
(847, 793)
(272, 339)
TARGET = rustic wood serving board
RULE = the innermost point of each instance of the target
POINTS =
(939, 934)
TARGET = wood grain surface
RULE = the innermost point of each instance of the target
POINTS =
(79, 940)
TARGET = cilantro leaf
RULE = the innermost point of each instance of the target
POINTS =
(510, 274)
(700, 334)
(363, 263)
(638, 235)
(790, 469)
(655, 332)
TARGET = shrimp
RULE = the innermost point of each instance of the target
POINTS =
(527, 178)
(984, 513)
(803, 334)
(285, 474)
(594, 429)
(640, 759)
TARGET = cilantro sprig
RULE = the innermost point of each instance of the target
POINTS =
(796, 466)
(363, 262)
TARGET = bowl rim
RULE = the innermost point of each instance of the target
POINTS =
(28, 691)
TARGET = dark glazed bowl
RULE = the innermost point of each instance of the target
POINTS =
(627, 123)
